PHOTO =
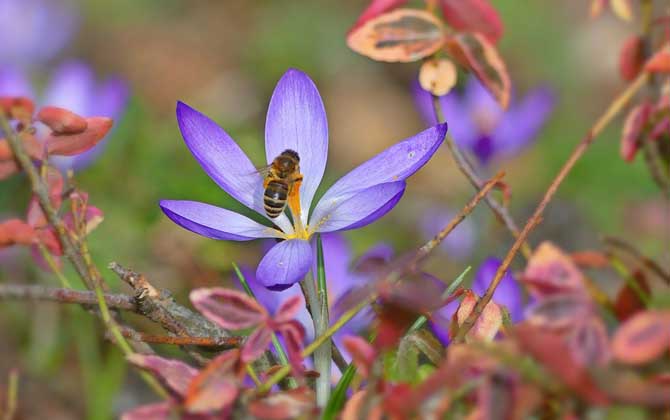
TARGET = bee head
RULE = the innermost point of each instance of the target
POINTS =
(291, 153)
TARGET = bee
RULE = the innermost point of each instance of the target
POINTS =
(281, 176)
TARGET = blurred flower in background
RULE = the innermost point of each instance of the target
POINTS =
(72, 86)
(34, 31)
(478, 124)
(459, 243)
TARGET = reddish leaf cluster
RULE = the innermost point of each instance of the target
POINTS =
(385, 33)
(646, 122)
(234, 310)
(79, 220)
(69, 134)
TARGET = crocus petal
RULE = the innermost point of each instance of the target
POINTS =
(14, 83)
(508, 292)
(393, 165)
(285, 264)
(479, 100)
(296, 120)
(215, 222)
(71, 88)
(521, 124)
(358, 210)
(223, 160)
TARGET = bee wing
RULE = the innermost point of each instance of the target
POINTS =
(263, 170)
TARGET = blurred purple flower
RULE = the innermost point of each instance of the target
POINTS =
(72, 86)
(34, 31)
(296, 120)
(508, 294)
(479, 125)
(459, 243)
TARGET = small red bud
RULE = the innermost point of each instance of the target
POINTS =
(62, 121)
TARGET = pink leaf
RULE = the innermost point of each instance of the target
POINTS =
(174, 374)
(216, 387)
(17, 107)
(294, 336)
(15, 231)
(643, 338)
(8, 168)
(559, 311)
(633, 128)
(473, 16)
(589, 343)
(157, 411)
(376, 8)
(292, 404)
(62, 121)
(488, 323)
(256, 344)
(229, 308)
(74, 144)
(289, 308)
(631, 58)
(362, 353)
(550, 271)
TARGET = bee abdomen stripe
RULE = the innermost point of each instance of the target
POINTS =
(274, 204)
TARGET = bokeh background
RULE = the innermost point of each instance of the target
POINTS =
(223, 58)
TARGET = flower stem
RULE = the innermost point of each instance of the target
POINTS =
(53, 266)
(12, 395)
(323, 354)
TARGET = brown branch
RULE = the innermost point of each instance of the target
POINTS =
(467, 168)
(535, 219)
(82, 297)
(222, 343)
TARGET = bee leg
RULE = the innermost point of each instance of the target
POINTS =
(294, 196)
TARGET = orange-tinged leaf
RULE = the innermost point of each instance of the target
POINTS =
(285, 405)
(438, 76)
(597, 7)
(622, 9)
(660, 61)
(550, 271)
(473, 16)
(488, 323)
(403, 35)
(74, 144)
(642, 338)
(62, 121)
(479, 55)
(17, 107)
(376, 8)
(631, 59)
(15, 231)
(216, 386)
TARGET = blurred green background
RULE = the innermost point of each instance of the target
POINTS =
(223, 58)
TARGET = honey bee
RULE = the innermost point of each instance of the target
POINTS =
(281, 176)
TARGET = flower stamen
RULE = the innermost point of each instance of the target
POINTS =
(296, 213)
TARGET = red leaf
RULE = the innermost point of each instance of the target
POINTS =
(662, 128)
(362, 353)
(17, 107)
(7, 169)
(479, 55)
(156, 411)
(554, 354)
(376, 8)
(15, 231)
(256, 344)
(473, 16)
(62, 121)
(292, 404)
(633, 128)
(229, 308)
(628, 301)
(294, 336)
(631, 58)
(642, 338)
(589, 343)
(74, 144)
(353, 408)
(174, 374)
(559, 311)
(289, 308)
(403, 35)
(659, 62)
(550, 271)
(488, 323)
(216, 387)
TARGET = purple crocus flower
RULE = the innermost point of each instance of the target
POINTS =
(72, 86)
(296, 120)
(34, 31)
(508, 294)
(460, 243)
(478, 124)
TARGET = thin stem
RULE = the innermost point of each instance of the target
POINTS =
(53, 266)
(468, 169)
(419, 255)
(66, 295)
(615, 107)
(12, 395)
(223, 343)
(635, 253)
